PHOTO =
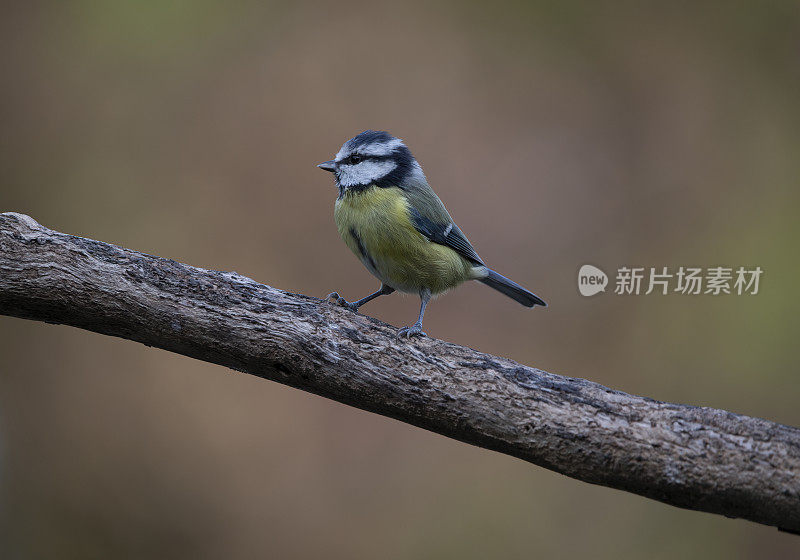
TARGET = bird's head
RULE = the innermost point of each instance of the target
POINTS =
(374, 158)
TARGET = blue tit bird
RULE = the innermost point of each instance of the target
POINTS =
(389, 216)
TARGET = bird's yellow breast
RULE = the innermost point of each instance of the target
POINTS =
(376, 225)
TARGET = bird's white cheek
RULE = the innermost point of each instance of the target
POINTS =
(365, 172)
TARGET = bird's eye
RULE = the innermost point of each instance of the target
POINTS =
(355, 158)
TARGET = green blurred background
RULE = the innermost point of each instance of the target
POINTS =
(557, 133)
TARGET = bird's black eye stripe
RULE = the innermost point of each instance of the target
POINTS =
(354, 159)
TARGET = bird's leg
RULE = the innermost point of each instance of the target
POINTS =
(353, 306)
(416, 328)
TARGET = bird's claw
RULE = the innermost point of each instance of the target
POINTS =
(408, 332)
(339, 300)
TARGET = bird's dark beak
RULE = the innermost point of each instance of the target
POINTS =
(328, 165)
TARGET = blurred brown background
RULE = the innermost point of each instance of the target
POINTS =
(557, 134)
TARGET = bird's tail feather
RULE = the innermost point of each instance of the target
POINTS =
(511, 289)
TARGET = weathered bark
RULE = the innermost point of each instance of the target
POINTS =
(697, 458)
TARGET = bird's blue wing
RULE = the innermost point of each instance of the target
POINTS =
(445, 233)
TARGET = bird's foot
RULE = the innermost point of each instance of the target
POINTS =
(414, 330)
(339, 300)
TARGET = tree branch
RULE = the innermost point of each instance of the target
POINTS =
(691, 457)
